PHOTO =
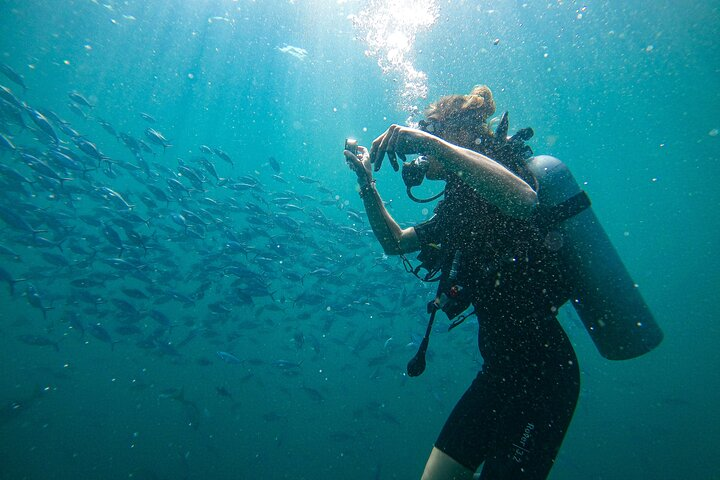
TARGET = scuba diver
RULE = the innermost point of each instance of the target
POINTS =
(514, 238)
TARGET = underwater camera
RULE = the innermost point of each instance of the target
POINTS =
(351, 146)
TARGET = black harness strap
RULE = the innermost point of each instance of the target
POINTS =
(549, 216)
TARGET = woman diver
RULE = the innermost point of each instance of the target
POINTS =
(489, 250)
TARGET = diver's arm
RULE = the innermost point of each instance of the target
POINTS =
(490, 179)
(495, 183)
(392, 238)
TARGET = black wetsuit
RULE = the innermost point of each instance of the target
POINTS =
(514, 415)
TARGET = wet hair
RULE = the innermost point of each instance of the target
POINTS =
(479, 102)
(474, 109)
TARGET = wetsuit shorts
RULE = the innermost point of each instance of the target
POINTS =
(515, 414)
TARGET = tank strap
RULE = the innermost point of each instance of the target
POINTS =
(549, 216)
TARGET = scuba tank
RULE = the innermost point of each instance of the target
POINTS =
(604, 295)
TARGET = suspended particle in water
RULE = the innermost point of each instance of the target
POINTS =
(714, 132)
(554, 241)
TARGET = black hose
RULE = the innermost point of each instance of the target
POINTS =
(416, 366)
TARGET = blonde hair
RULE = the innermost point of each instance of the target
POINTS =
(475, 108)
(479, 101)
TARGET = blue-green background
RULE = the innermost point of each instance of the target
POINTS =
(632, 122)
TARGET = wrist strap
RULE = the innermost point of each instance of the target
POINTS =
(368, 187)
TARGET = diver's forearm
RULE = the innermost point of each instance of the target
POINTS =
(385, 228)
(490, 179)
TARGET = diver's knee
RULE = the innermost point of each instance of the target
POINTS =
(440, 466)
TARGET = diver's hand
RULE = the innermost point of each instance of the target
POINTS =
(398, 141)
(360, 165)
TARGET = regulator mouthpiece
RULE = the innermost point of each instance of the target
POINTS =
(413, 174)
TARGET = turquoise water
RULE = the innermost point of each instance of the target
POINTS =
(625, 93)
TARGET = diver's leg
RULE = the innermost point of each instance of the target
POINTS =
(530, 446)
(466, 436)
(541, 401)
(440, 466)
